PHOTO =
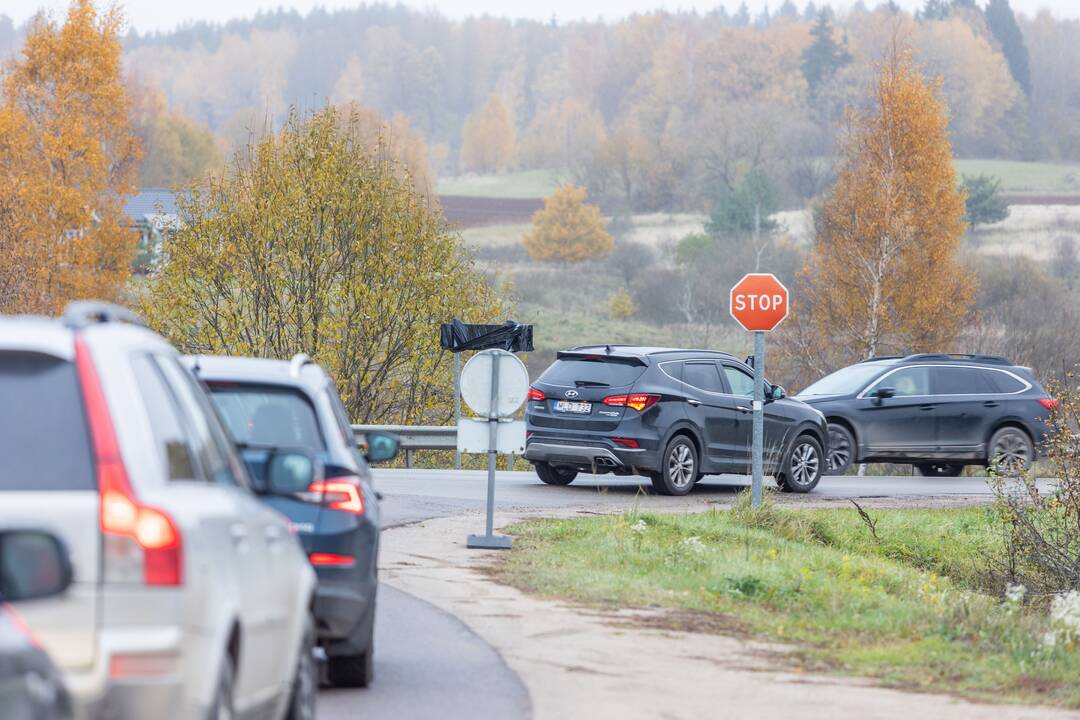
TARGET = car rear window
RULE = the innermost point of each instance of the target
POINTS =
(1003, 382)
(267, 415)
(44, 440)
(598, 373)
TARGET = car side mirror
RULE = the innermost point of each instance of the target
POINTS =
(34, 564)
(292, 472)
(380, 446)
(882, 394)
(777, 393)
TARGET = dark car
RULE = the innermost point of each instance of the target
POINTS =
(33, 565)
(669, 414)
(270, 405)
(938, 412)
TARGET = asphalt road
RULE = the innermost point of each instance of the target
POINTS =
(429, 665)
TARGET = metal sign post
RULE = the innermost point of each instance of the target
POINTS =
(457, 403)
(759, 302)
(494, 383)
(757, 478)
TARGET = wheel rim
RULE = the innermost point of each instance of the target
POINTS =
(681, 466)
(804, 464)
(839, 449)
(1011, 452)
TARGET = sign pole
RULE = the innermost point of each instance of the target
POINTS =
(493, 435)
(759, 418)
(457, 403)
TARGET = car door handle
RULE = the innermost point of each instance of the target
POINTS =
(693, 401)
(990, 403)
(742, 408)
(926, 407)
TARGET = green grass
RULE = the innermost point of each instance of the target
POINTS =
(525, 184)
(907, 608)
(1019, 176)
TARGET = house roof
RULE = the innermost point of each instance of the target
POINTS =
(152, 202)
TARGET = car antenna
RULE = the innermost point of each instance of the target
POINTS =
(608, 349)
(196, 368)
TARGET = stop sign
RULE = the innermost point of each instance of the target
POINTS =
(759, 301)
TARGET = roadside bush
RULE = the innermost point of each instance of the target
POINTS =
(621, 305)
(1041, 530)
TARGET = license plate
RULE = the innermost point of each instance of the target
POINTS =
(567, 406)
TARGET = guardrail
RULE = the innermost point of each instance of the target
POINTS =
(420, 437)
(416, 437)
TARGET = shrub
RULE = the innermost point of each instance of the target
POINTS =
(621, 306)
(1041, 530)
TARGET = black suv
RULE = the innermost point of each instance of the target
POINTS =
(672, 415)
(938, 412)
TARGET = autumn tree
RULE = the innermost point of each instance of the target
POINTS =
(68, 160)
(487, 142)
(314, 242)
(883, 276)
(176, 148)
(568, 229)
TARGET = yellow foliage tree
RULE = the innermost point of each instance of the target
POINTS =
(68, 159)
(883, 276)
(314, 241)
(568, 229)
(177, 149)
(487, 140)
(621, 305)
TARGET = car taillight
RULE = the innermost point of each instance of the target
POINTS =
(637, 401)
(339, 494)
(331, 559)
(1048, 403)
(123, 519)
(535, 394)
(626, 442)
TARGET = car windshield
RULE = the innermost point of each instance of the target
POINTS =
(265, 415)
(845, 381)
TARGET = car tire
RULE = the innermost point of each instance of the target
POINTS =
(678, 467)
(1011, 450)
(353, 670)
(305, 685)
(841, 450)
(946, 469)
(803, 466)
(224, 695)
(551, 475)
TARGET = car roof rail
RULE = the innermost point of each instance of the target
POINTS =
(970, 357)
(299, 360)
(82, 313)
(882, 357)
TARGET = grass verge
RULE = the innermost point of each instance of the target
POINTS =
(904, 603)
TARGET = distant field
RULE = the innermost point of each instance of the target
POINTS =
(1019, 176)
(526, 184)
(653, 229)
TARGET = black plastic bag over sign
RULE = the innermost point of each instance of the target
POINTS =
(456, 336)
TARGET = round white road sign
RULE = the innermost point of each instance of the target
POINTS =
(512, 385)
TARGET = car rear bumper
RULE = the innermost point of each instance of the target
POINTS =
(340, 608)
(590, 456)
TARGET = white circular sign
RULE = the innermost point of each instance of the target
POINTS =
(512, 387)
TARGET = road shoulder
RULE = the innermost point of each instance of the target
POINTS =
(588, 663)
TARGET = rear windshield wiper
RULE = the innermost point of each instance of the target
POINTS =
(590, 383)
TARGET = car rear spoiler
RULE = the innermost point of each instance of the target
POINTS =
(593, 356)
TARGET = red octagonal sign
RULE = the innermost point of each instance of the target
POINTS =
(759, 301)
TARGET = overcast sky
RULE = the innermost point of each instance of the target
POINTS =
(164, 14)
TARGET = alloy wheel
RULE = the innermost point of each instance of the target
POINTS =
(1011, 453)
(805, 464)
(681, 468)
(839, 449)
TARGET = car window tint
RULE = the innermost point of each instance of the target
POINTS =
(44, 439)
(906, 381)
(1002, 382)
(960, 381)
(212, 448)
(165, 422)
(740, 382)
(598, 372)
(268, 415)
(703, 376)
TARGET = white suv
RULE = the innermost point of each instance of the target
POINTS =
(191, 599)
